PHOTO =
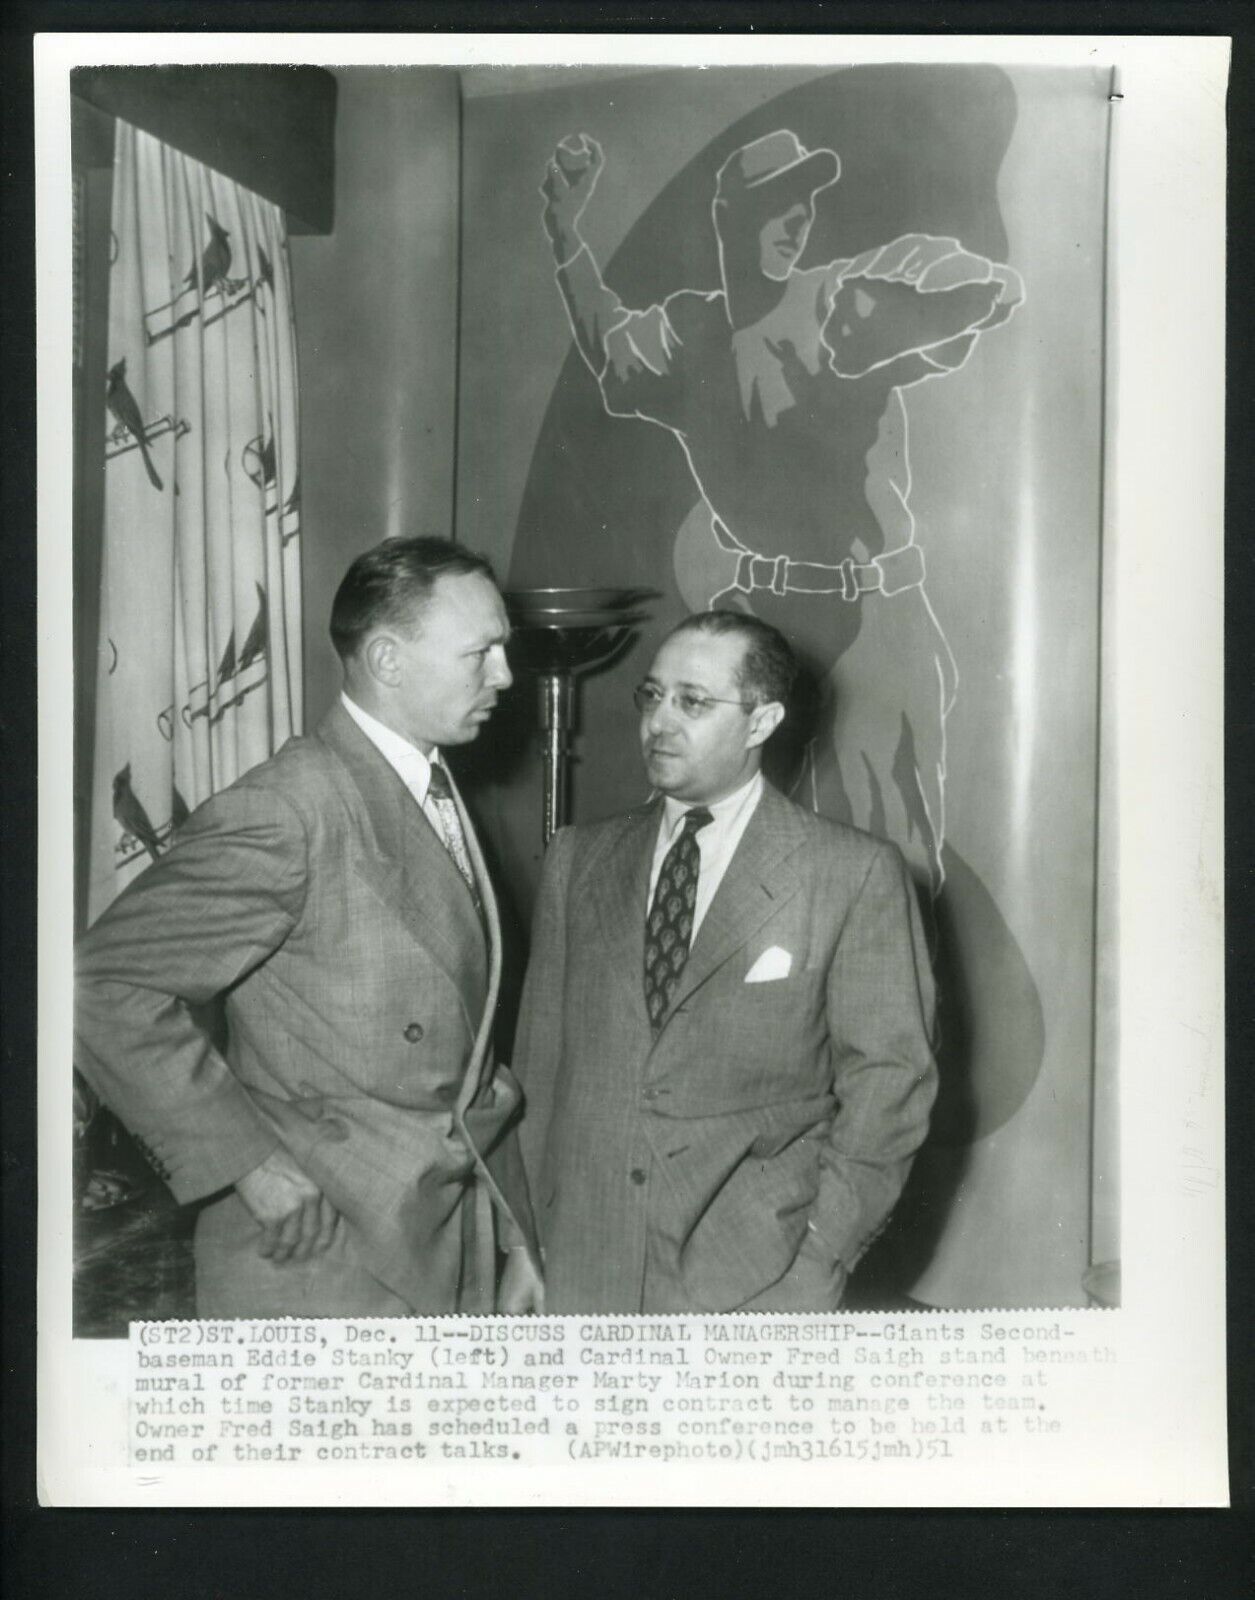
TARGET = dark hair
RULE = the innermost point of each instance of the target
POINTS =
(768, 668)
(390, 585)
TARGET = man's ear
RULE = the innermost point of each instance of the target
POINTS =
(764, 720)
(380, 659)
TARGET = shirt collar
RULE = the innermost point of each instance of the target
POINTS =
(406, 759)
(722, 812)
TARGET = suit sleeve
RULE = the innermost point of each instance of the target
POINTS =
(201, 918)
(881, 1003)
(538, 1040)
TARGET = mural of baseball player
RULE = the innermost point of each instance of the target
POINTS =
(783, 387)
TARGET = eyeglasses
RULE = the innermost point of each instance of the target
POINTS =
(648, 697)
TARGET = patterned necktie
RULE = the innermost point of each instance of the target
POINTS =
(669, 928)
(441, 797)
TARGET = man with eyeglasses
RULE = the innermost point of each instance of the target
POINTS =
(724, 1035)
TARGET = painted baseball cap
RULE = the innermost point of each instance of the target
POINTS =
(777, 158)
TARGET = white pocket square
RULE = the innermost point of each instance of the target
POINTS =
(772, 964)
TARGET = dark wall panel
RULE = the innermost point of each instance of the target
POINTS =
(272, 129)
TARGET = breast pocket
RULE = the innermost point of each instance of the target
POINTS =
(769, 1035)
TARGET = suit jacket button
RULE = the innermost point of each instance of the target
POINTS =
(414, 1032)
(637, 1174)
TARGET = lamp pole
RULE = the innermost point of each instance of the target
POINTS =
(557, 721)
(557, 634)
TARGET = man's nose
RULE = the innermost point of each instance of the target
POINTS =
(662, 716)
(500, 673)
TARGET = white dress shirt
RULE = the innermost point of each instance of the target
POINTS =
(717, 841)
(406, 759)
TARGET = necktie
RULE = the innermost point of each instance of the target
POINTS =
(669, 927)
(441, 797)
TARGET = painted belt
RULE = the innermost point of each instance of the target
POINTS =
(892, 573)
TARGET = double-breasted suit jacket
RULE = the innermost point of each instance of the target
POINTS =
(749, 1151)
(360, 987)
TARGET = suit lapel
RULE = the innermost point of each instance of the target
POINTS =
(481, 1051)
(415, 873)
(759, 880)
(619, 887)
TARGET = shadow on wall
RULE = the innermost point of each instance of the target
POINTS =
(988, 1059)
(989, 1051)
(988, 1055)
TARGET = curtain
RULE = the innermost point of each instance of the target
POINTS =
(199, 660)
